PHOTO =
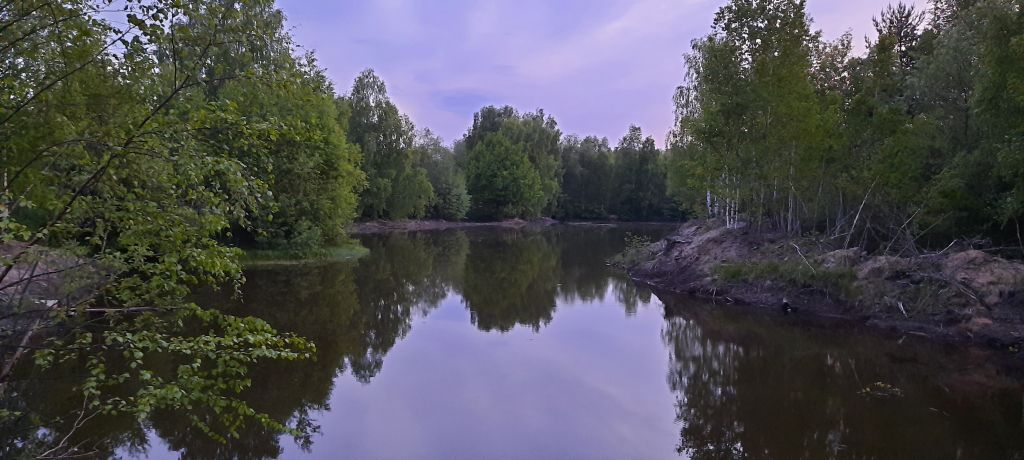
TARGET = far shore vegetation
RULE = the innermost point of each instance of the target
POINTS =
(263, 257)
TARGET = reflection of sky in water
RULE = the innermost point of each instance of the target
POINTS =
(591, 384)
(588, 366)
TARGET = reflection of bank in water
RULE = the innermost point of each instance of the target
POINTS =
(355, 312)
(782, 387)
(533, 320)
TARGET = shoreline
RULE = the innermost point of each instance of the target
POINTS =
(375, 227)
(262, 258)
(964, 296)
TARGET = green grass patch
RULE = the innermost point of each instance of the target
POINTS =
(837, 282)
(637, 251)
(258, 257)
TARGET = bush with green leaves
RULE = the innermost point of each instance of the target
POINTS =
(138, 135)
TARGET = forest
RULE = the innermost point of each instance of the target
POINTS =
(917, 142)
(508, 165)
(147, 143)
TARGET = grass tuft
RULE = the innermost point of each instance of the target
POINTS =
(838, 282)
(637, 251)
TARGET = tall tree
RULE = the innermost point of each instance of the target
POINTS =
(539, 137)
(749, 117)
(900, 27)
(395, 187)
(502, 181)
(451, 199)
(535, 134)
(639, 178)
(587, 187)
(1000, 105)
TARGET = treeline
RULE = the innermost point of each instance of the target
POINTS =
(507, 165)
(916, 142)
(521, 166)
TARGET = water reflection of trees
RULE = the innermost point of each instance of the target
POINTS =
(52, 396)
(748, 389)
(317, 302)
(405, 274)
(355, 313)
(511, 280)
(582, 254)
(519, 277)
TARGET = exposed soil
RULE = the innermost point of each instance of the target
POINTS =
(387, 226)
(954, 295)
(46, 274)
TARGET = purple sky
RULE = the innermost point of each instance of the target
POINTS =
(595, 65)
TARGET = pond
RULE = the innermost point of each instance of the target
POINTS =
(502, 343)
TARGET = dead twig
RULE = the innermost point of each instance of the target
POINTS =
(861, 208)
(947, 247)
(81, 420)
(900, 231)
(798, 251)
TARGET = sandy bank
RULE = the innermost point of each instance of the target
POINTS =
(957, 294)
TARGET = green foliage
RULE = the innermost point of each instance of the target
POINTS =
(634, 241)
(451, 199)
(749, 130)
(396, 187)
(139, 138)
(587, 187)
(263, 257)
(208, 369)
(539, 136)
(637, 250)
(567, 177)
(917, 141)
(503, 182)
(639, 179)
(412, 195)
(1000, 103)
(530, 136)
(311, 171)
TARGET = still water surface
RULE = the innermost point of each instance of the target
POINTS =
(522, 344)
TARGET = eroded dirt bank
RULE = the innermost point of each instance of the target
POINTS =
(954, 295)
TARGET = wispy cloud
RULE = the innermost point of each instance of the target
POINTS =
(596, 65)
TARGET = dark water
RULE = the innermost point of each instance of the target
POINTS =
(522, 344)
